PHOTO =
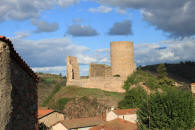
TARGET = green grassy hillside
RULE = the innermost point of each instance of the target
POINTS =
(54, 94)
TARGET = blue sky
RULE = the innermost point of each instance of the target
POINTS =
(45, 32)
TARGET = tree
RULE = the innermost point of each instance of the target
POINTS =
(161, 70)
(133, 98)
(172, 109)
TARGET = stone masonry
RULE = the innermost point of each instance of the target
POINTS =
(72, 68)
(18, 90)
(109, 78)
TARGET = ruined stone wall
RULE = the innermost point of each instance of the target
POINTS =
(108, 71)
(96, 70)
(122, 60)
(18, 92)
(113, 84)
(72, 68)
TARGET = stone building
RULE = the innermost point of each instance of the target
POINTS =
(109, 78)
(18, 90)
(72, 68)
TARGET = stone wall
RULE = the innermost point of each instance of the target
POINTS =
(18, 91)
(108, 84)
(96, 70)
(122, 59)
(72, 68)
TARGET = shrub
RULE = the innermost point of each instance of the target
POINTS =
(172, 109)
(133, 98)
(62, 103)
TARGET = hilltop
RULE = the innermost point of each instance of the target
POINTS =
(183, 72)
(82, 102)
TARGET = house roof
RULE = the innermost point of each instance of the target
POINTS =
(82, 122)
(117, 124)
(18, 59)
(124, 111)
(44, 112)
(192, 84)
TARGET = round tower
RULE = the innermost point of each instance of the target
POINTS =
(122, 59)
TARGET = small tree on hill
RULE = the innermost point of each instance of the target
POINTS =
(170, 110)
(133, 98)
(162, 72)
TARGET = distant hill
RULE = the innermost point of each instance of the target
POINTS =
(182, 72)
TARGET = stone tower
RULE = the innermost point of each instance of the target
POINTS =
(72, 68)
(122, 59)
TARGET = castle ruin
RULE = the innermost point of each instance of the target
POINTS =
(101, 76)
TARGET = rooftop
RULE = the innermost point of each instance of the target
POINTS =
(82, 122)
(43, 112)
(117, 124)
(124, 111)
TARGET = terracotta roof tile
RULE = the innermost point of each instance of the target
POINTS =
(18, 59)
(117, 124)
(44, 112)
(124, 111)
(82, 122)
(193, 84)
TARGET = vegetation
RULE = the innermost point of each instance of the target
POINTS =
(183, 71)
(172, 109)
(70, 93)
(133, 98)
(61, 103)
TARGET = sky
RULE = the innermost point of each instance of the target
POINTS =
(44, 32)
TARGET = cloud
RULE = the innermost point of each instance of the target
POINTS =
(172, 16)
(100, 9)
(49, 52)
(121, 11)
(121, 28)
(43, 26)
(21, 35)
(26, 9)
(77, 20)
(170, 51)
(78, 30)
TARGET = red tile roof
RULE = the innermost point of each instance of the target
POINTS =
(193, 84)
(117, 124)
(18, 59)
(124, 111)
(82, 122)
(44, 112)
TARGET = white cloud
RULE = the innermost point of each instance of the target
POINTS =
(49, 52)
(121, 11)
(26, 9)
(166, 51)
(100, 9)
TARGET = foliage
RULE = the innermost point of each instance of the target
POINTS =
(61, 103)
(161, 70)
(133, 98)
(55, 90)
(172, 109)
(42, 126)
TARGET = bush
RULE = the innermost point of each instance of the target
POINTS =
(172, 109)
(62, 103)
(133, 98)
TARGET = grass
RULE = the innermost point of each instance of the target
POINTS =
(71, 92)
